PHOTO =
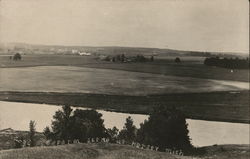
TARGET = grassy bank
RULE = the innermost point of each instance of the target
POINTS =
(114, 151)
(215, 106)
(190, 66)
(86, 151)
(7, 140)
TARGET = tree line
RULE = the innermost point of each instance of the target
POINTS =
(123, 58)
(231, 63)
(165, 128)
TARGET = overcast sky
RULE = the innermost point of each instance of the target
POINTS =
(202, 25)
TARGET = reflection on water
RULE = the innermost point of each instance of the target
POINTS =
(202, 133)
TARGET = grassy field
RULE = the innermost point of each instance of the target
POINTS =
(187, 86)
(113, 151)
(189, 67)
(216, 106)
(106, 81)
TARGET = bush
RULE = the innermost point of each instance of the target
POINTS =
(17, 56)
(177, 60)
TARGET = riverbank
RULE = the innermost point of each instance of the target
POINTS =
(213, 106)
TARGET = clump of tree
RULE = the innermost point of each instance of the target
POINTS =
(177, 60)
(87, 124)
(19, 141)
(140, 58)
(122, 58)
(231, 63)
(17, 57)
(128, 133)
(113, 134)
(79, 124)
(165, 128)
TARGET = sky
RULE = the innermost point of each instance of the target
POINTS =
(198, 25)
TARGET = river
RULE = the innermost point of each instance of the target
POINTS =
(203, 133)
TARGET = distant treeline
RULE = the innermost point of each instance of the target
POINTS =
(123, 58)
(235, 63)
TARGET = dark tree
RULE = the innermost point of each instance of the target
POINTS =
(140, 58)
(61, 125)
(32, 132)
(81, 124)
(230, 63)
(166, 128)
(118, 57)
(152, 58)
(48, 134)
(177, 60)
(113, 59)
(17, 57)
(122, 58)
(90, 124)
(113, 133)
(128, 133)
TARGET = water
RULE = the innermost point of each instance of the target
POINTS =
(202, 133)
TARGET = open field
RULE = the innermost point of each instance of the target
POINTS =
(215, 106)
(189, 67)
(106, 81)
(114, 151)
(202, 92)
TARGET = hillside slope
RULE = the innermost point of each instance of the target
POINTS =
(86, 151)
(113, 151)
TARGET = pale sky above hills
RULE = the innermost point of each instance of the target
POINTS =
(202, 25)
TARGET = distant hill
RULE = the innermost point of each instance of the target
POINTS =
(35, 48)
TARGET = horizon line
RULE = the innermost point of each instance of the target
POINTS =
(120, 46)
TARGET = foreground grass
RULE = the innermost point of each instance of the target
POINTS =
(86, 151)
(113, 151)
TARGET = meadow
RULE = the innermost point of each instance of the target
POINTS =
(191, 66)
(200, 91)
(106, 81)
